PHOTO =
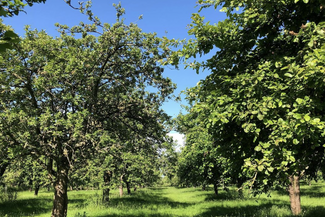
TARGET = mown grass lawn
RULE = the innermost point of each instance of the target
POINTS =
(169, 201)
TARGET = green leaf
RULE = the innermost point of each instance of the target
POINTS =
(270, 169)
(260, 116)
(306, 1)
(307, 117)
(300, 101)
(297, 116)
(288, 75)
(260, 168)
(258, 148)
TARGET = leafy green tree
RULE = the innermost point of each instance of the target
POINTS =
(23, 174)
(265, 93)
(199, 163)
(132, 163)
(64, 99)
(168, 164)
(9, 8)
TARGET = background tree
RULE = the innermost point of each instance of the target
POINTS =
(266, 89)
(168, 164)
(63, 99)
(199, 163)
(134, 163)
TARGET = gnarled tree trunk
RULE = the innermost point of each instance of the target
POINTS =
(60, 203)
(294, 193)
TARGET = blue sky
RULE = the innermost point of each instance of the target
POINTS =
(165, 17)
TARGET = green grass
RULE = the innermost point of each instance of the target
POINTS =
(165, 202)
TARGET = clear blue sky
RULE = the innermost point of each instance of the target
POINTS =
(165, 17)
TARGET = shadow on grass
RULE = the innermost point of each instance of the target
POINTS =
(194, 189)
(141, 199)
(26, 207)
(223, 196)
(35, 205)
(261, 210)
(315, 190)
(138, 215)
(317, 211)
(246, 211)
(152, 199)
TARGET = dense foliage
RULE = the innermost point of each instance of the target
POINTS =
(84, 108)
(266, 88)
(65, 99)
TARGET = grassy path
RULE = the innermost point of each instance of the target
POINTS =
(165, 202)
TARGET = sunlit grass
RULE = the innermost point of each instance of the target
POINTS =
(164, 202)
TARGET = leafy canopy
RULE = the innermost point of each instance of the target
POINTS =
(266, 87)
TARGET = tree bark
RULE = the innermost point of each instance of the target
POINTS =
(294, 193)
(37, 186)
(215, 186)
(107, 180)
(128, 187)
(60, 203)
(121, 186)
(30, 183)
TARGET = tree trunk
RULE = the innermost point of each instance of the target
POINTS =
(3, 168)
(121, 186)
(37, 186)
(30, 183)
(203, 187)
(60, 203)
(239, 184)
(294, 193)
(107, 180)
(215, 186)
(128, 187)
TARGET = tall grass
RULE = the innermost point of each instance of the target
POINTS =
(169, 201)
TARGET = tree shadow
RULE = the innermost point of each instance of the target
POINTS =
(152, 198)
(139, 215)
(313, 191)
(317, 211)
(231, 195)
(258, 210)
(267, 207)
(26, 207)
